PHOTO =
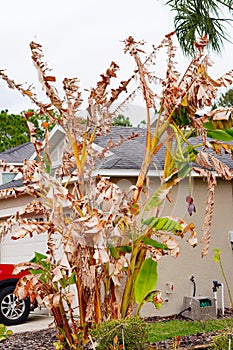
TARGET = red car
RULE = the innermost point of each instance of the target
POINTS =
(12, 310)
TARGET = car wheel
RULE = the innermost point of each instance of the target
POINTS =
(12, 310)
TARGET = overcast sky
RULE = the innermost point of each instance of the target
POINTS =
(80, 38)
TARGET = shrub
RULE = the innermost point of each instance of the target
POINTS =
(222, 341)
(4, 332)
(129, 332)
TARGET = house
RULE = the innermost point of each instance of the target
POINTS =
(186, 275)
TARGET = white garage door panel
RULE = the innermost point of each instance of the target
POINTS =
(22, 249)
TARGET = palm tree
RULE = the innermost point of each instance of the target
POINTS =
(197, 18)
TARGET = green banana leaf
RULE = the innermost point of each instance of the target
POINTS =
(47, 163)
(115, 251)
(153, 243)
(146, 280)
(222, 135)
(160, 194)
(164, 224)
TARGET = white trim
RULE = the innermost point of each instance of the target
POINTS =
(129, 172)
(53, 131)
(18, 176)
(59, 128)
(125, 172)
(14, 164)
(11, 211)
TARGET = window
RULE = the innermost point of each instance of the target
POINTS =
(7, 177)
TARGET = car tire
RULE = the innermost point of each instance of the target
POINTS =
(12, 310)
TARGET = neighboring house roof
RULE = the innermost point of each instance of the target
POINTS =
(17, 154)
(12, 184)
(128, 156)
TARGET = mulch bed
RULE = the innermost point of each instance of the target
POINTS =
(34, 340)
(196, 341)
(44, 339)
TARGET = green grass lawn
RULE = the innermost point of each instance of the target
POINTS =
(158, 331)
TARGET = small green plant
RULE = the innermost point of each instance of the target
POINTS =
(4, 332)
(222, 341)
(176, 343)
(217, 258)
(129, 333)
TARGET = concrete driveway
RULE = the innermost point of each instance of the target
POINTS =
(38, 319)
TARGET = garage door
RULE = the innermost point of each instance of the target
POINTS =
(21, 250)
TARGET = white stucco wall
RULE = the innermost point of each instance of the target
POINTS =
(177, 271)
(172, 271)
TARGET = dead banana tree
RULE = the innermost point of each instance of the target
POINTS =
(98, 251)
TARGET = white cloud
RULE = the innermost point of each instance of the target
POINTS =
(80, 38)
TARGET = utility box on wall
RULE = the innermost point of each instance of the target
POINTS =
(199, 308)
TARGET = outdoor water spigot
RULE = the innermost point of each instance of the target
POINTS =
(216, 286)
(194, 285)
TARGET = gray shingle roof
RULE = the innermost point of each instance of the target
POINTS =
(18, 153)
(128, 156)
(12, 184)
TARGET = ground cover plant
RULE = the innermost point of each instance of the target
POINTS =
(99, 250)
(158, 331)
(129, 333)
(140, 334)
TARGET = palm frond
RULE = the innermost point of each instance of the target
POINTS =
(197, 18)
